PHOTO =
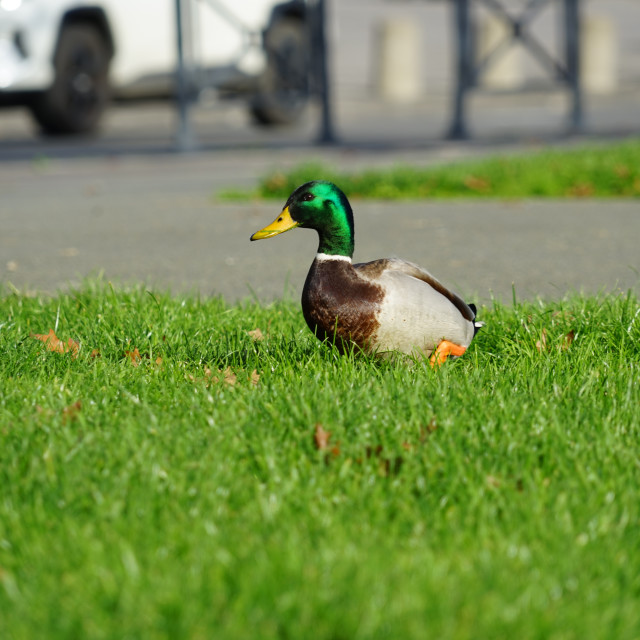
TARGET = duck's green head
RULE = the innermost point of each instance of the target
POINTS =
(321, 206)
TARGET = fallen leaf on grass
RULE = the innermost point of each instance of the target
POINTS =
(71, 412)
(95, 354)
(582, 190)
(541, 344)
(229, 377)
(568, 339)
(476, 184)
(53, 343)
(321, 438)
(210, 377)
(134, 356)
(254, 377)
(430, 428)
(256, 334)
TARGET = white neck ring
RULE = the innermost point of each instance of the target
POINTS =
(321, 257)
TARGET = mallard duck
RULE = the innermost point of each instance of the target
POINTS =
(387, 305)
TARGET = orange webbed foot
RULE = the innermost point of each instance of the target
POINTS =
(444, 350)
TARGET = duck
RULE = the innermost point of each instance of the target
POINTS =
(382, 307)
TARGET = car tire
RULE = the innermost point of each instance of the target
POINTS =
(283, 89)
(79, 94)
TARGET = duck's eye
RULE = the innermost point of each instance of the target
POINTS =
(307, 197)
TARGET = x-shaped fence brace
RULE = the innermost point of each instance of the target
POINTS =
(469, 70)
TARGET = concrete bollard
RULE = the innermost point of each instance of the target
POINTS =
(504, 71)
(599, 55)
(398, 53)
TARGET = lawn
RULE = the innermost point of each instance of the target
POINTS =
(167, 471)
(597, 171)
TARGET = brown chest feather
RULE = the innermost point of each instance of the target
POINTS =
(336, 302)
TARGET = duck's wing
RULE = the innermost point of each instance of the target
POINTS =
(374, 270)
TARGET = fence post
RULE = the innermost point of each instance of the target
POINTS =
(464, 81)
(185, 137)
(320, 70)
(572, 39)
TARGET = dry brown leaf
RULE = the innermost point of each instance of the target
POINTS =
(568, 339)
(432, 426)
(582, 190)
(158, 361)
(477, 184)
(73, 347)
(321, 437)
(71, 412)
(230, 378)
(256, 334)
(53, 343)
(427, 430)
(95, 354)
(541, 344)
(134, 356)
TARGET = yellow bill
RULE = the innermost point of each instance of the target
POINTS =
(282, 223)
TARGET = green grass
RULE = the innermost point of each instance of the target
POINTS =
(600, 172)
(495, 498)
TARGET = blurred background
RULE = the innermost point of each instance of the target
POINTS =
(128, 188)
(391, 69)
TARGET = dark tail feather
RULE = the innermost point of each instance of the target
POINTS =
(476, 325)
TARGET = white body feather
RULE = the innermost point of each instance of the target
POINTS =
(416, 316)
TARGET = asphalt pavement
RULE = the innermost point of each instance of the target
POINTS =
(156, 218)
(128, 206)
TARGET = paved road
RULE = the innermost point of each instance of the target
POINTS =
(156, 219)
(125, 204)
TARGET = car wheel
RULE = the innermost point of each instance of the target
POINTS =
(79, 94)
(283, 91)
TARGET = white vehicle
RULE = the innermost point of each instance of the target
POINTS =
(64, 59)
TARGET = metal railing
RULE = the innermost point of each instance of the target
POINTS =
(469, 70)
(318, 81)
